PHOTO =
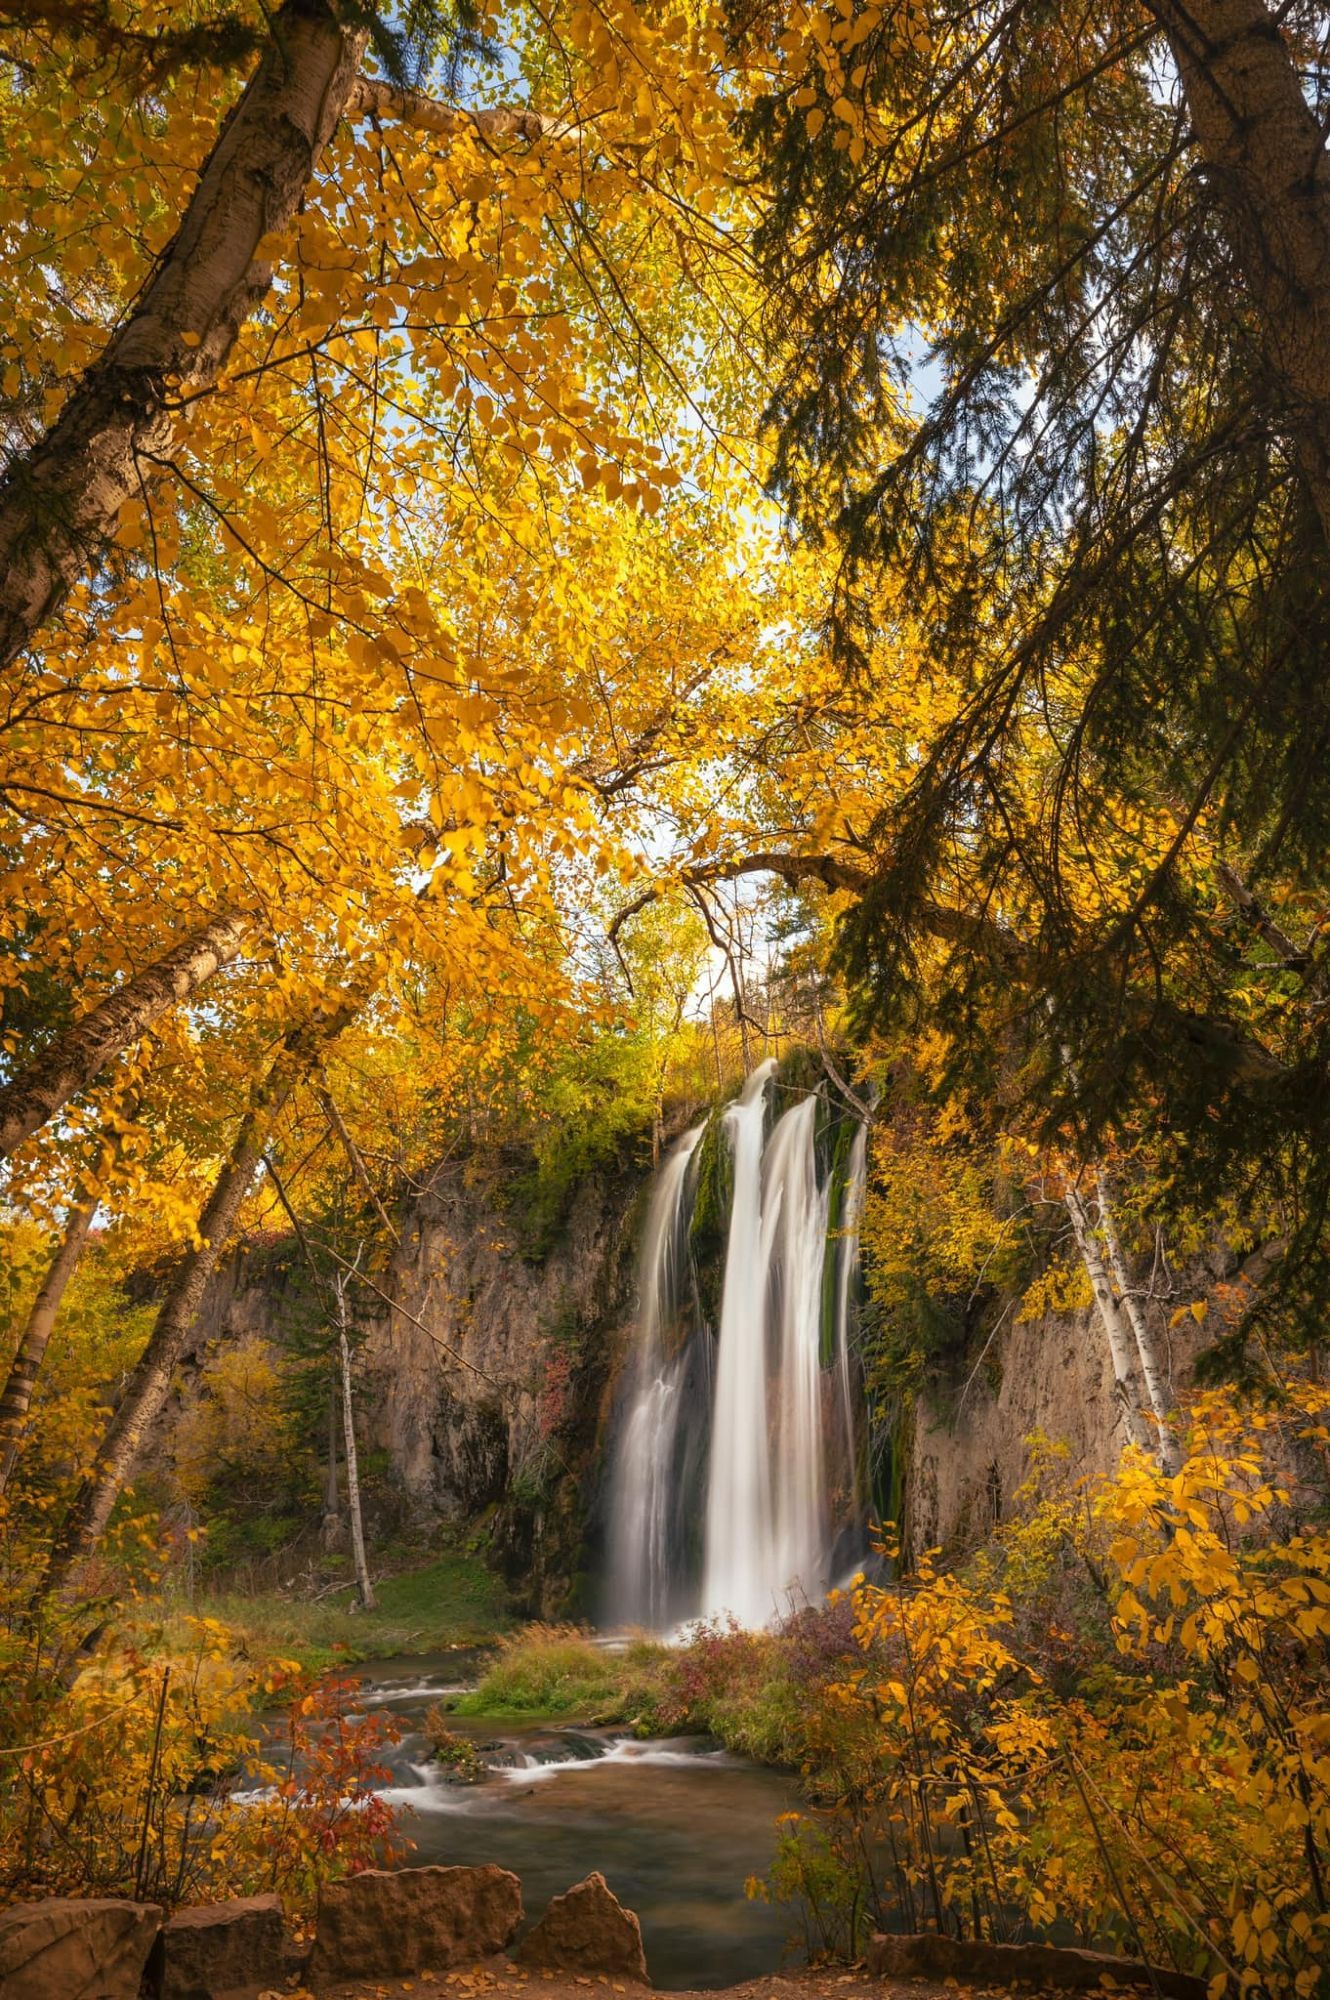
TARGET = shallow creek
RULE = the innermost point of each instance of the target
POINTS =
(675, 1827)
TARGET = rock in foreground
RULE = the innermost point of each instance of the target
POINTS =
(391, 1923)
(235, 1947)
(587, 1930)
(75, 1948)
(922, 1955)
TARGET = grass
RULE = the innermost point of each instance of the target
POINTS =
(453, 1601)
(555, 1670)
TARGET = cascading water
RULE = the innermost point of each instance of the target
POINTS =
(739, 1532)
(643, 1483)
(797, 1228)
(774, 1426)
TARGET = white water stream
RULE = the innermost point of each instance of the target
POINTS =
(739, 1490)
(642, 1485)
(779, 1424)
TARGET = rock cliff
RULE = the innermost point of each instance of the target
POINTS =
(487, 1379)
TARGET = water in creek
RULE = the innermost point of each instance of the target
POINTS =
(675, 1827)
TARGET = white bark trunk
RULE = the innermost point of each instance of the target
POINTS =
(364, 1587)
(16, 1398)
(1154, 1368)
(60, 503)
(1121, 1345)
(77, 1057)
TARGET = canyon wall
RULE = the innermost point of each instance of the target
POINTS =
(487, 1379)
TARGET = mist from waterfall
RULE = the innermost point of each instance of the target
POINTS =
(736, 1461)
(642, 1483)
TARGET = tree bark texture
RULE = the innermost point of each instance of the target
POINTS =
(1265, 155)
(60, 503)
(74, 1059)
(16, 1396)
(1154, 1368)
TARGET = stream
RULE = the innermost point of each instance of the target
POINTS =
(675, 1827)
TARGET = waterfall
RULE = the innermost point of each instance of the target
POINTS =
(795, 1224)
(642, 1484)
(740, 1551)
(775, 1428)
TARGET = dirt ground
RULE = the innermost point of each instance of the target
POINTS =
(505, 1981)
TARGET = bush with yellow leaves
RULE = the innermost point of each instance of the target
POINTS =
(1171, 1797)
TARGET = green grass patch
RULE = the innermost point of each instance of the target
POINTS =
(453, 1601)
(556, 1670)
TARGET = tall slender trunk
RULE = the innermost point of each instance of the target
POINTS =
(150, 1383)
(60, 502)
(1265, 152)
(364, 1587)
(1154, 1369)
(1121, 1345)
(74, 1059)
(330, 1529)
(355, 1159)
(16, 1396)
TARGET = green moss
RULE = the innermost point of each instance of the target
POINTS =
(835, 1142)
(709, 1226)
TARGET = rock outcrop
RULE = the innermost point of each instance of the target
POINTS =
(587, 1930)
(489, 1379)
(75, 1948)
(394, 1923)
(231, 1948)
(1051, 1968)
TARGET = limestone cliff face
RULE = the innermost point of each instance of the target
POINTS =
(494, 1370)
(487, 1379)
(967, 1449)
(967, 1452)
(488, 1382)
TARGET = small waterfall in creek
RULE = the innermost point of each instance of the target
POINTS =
(643, 1481)
(773, 1414)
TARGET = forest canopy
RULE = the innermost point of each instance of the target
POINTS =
(475, 479)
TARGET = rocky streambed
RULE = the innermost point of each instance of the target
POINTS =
(675, 1827)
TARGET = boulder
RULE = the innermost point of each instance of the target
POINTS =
(587, 1929)
(233, 1948)
(392, 1922)
(923, 1955)
(75, 1948)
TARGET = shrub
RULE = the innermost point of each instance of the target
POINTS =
(1175, 1805)
(146, 1778)
(458, 1755)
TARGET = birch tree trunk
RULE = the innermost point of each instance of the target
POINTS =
(1121, 1345)
(74, 1059)
(1266, 155)
(1154, 1369)
(149, 1385)
(355, 1159)
(364, 1587)
(16, 1397)
(330, 1528)
(60, 502)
